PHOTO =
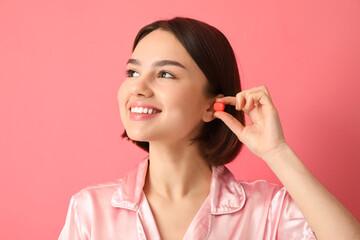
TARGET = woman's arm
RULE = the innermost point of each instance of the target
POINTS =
(327, 217)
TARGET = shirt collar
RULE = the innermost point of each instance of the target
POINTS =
(226, 194)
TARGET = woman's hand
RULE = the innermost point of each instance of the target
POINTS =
(264, 135)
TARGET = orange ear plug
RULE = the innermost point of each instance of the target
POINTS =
(219, 106)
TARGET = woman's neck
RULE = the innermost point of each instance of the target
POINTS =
(177, 172)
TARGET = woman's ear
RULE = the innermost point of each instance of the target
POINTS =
(208, 115)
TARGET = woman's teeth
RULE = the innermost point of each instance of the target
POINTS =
(143, 110)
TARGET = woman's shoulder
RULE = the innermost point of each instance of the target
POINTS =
(124, 187)
(259, 183)
(107, 188)
(261, 188)
(102, 186)
(97, 192)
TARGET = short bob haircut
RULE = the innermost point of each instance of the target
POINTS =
(214, 55)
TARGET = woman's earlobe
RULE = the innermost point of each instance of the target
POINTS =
(209, 115)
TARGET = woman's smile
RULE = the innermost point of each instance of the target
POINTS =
(142, 116)
(140, 111)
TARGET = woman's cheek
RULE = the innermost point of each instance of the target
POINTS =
(121, 96)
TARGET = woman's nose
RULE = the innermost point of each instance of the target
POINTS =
(141, 87)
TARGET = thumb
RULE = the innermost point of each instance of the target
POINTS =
(231, 122)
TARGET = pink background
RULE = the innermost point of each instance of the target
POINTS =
(62, 62)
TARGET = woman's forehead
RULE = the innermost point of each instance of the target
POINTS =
(161, 45)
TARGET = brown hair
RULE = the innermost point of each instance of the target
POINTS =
(214, 55)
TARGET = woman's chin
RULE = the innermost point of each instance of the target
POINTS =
(138, 137)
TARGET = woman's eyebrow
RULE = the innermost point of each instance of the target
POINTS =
(158, 63)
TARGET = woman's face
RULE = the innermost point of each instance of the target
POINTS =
(174, 88)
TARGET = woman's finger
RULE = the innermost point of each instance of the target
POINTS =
(227, 100)
(231, 122)
(248, 99)
(253, 97)
(258, 89)
(258, 98)
(238, 101)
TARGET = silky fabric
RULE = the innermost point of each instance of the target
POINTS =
(232, 210)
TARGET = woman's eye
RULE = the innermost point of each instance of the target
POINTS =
(163, 74)
(129, 73)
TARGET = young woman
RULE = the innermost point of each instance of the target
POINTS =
(178, 69)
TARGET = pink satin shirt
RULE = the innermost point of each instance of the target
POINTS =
(232, 210)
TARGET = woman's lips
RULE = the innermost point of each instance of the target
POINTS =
(142, 116)
(140, 111)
